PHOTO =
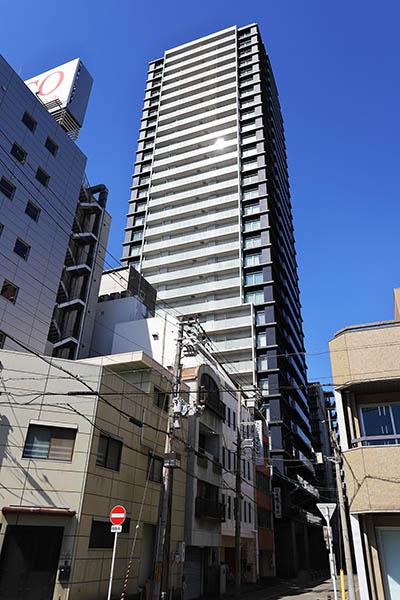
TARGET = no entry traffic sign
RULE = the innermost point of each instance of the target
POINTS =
(118, 515)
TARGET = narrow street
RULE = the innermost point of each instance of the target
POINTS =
(289, 590)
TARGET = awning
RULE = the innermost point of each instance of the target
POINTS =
(39, 510)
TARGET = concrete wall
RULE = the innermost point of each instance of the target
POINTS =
(369, 352)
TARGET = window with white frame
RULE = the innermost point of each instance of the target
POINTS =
(380, 420)
(254, 278)
(252, 260)
(254, 297)
(252, 242)
(251, 225)
(262, 363)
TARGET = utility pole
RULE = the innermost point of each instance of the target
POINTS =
(238, 500)
(161, 579)
(343, 519)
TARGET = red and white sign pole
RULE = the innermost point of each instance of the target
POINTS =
(117, 517)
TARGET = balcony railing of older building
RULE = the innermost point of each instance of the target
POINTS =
(208, 509)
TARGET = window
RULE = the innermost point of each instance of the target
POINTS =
(49, 442)
(32, 210)
(380, 420)
(151, 132)
(142, 193)
(244, 512)
(260, 317)
(253, 278)
(140, 206)
(147, 155)
(51, 146)
(229, 459)
(137, 235)
(261, 340)
(223, 457)
(262, 363)
(251, 209)
(252, 260)
(233, 420)
(246, 102)
(154, 102)
(144, 180)
(246, 71)
(9, 291)
(264, 385)
(151, 122)
(245, 43)
(249, 164)
(245, 80)
(251, 225)
(249, 194)
(246, 91)
(263, 518)
(248, 126)
(248, 150)
(21, 248)
(101, 536)
(2, 339)
(134, 250)
(139, 221)
(152, 111)
(161, 399)
(229, 507)
(248, 477)
(248, 137)
(252, 242)
(154, 468)
(1, 228)
(149, 144)
(249, 504)
(252, 178)
(145, 167)
(254, 297)
(228, 416)
(263, 482)
(18, 152)
(29, 121)
(42, 176)
(244, 52)
(109, 452)
(245, 61)
(7, 188)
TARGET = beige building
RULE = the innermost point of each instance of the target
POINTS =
(69, 453)
(366, 374)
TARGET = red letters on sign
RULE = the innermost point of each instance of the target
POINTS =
(60, 80)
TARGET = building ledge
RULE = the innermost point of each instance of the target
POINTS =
(39, 510)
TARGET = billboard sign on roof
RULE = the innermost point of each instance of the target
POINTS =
(69, 85)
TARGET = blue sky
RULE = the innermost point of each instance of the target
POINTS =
(336, 66)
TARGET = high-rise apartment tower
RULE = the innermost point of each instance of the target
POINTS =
(210, 227)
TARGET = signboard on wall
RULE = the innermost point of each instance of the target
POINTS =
(258, 444)
(68, 85)
(277, 502)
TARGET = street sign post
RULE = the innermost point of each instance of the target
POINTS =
(117, 517)
(327, 509)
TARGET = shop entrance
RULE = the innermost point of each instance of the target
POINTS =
(29, 561)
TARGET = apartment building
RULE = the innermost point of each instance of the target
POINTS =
(366, 374)
(53, 224)
(210, 227)
(69, 453)
(248, 508)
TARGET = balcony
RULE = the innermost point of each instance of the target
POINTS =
(373, 477)
(209, 509)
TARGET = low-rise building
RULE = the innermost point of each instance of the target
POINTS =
(366, 374)
(69, 453)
